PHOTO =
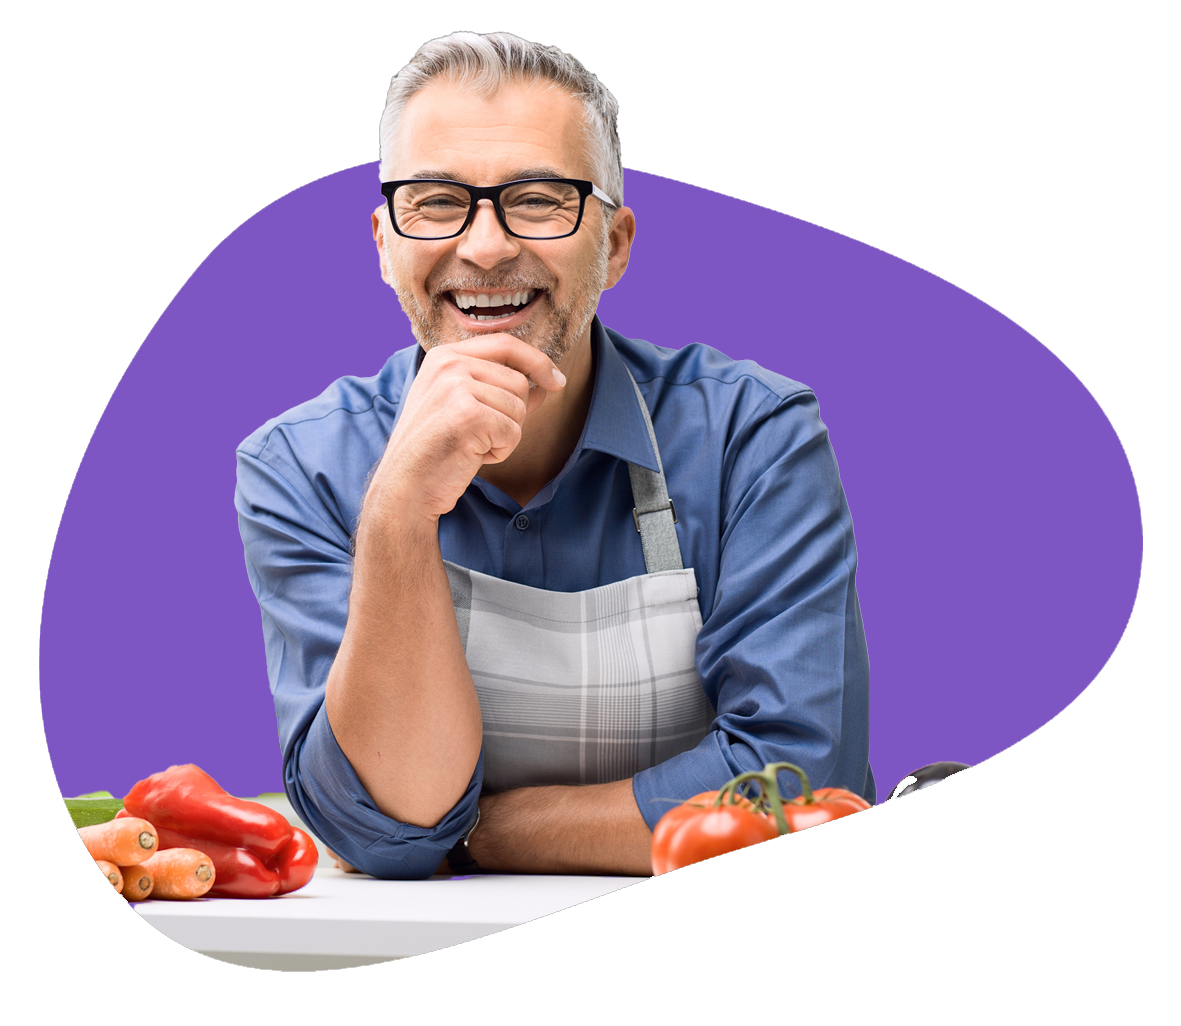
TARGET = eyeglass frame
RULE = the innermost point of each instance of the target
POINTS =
(492, 192)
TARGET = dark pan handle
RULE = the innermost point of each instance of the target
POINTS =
(925, 777)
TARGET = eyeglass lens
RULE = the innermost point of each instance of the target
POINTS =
(433, 210)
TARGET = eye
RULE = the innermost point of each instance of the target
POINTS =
(441, 203)
(538, 199)
(535, 201)
(430, 200)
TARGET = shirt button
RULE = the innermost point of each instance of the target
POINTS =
(521, 522)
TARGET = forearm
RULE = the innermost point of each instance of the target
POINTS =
(399, 697)
(590, 829)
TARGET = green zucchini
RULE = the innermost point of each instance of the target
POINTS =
(96, 807)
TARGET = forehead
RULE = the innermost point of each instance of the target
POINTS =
(448, 131)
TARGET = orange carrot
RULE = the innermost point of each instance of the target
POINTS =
(137, 882)
(125, 842)
(179, 873)
(111, 872)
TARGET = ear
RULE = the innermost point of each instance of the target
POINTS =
(380, 226)
(620, 238)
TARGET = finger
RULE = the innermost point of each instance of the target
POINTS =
(454, 363)
(483, 367)
(504, 403)
(484, 423)
(512, 352)
(501, 375)
(497, 375)
(512, 380)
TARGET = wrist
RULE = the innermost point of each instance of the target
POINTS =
(392, 513)
(461, 859)
(478, 841)
(393, 538)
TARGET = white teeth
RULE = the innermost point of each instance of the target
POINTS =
(466, 300)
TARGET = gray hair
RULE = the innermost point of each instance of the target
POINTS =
(485, 63)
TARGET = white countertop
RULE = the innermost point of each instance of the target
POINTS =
(343, 919)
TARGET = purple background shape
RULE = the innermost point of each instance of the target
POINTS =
(997, 521)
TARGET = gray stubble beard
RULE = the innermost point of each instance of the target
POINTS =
(569, 323)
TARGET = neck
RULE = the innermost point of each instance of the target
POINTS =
(550, 432)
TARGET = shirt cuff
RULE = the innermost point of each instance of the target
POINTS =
(668, 784)
(326, 794)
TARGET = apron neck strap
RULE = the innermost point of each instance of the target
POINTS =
(654, 513)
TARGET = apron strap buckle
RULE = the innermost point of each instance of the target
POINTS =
(659, 509)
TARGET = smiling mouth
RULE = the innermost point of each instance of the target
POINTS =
(493, 306)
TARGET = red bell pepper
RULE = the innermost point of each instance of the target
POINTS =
(255, 852)
(190, 801)
(238, 872)
(296, 861)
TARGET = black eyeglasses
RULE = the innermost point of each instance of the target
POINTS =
(533, 208)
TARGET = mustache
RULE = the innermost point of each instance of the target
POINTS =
(510, 281)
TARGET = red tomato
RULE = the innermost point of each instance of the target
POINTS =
(667, 825)
(827, 803)
(699, 830)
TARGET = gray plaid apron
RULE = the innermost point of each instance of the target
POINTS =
(591, 686)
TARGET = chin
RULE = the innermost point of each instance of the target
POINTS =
(555, 334)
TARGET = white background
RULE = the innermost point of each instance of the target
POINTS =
(1023, 151)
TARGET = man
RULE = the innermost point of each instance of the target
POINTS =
(490, 630)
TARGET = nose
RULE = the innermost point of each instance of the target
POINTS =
(485, 243)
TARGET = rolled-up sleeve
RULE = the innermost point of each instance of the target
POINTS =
(298, 560)
(782, 653)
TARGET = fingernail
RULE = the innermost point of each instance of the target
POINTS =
(559, 377)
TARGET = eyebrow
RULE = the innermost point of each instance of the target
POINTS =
(516, 176)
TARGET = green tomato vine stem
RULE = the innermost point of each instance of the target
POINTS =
(769, 799)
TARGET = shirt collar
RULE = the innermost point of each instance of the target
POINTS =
(614, 423)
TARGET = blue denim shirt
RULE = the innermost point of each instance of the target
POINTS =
(762, 519)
